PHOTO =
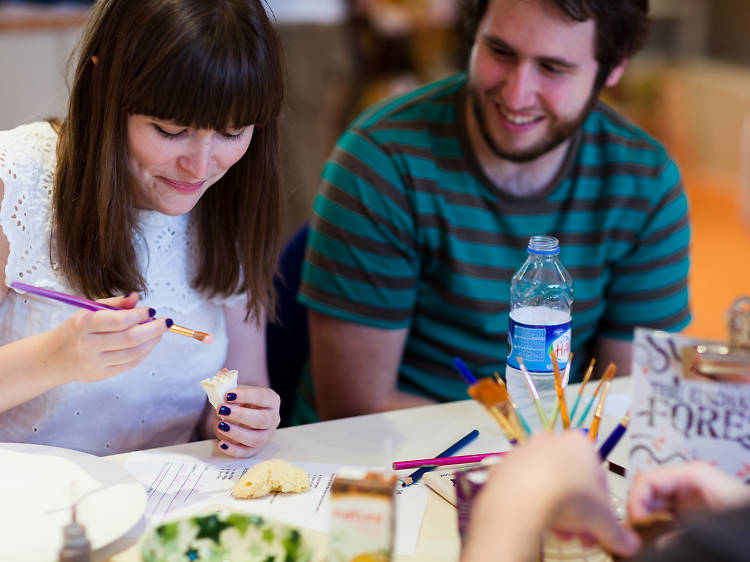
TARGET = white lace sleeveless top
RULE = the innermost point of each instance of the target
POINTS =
(157, 403)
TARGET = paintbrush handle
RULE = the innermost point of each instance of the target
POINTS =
(611, 441)
(505, 425)
(575, 407)
(541, 414)
(87, 304)
(564, 413)
(586, 411)
(525, 425)
(554, 414)
(443, 461)
(72, 300)
(464, 370)
(594, 429)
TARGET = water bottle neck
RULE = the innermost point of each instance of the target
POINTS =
(543, 246)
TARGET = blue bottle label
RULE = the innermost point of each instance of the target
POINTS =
(533, 342)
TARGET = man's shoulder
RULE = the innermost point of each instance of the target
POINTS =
(618, 151)
(607, 128)
(434, 102)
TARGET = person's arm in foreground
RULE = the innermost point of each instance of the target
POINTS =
(355, 368)
(253, 414)
(551, 483)
(685, 489)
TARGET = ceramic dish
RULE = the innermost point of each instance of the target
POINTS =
(37, 486)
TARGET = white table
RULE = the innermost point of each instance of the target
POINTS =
(365, 440)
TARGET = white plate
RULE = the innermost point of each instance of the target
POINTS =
(36, 494)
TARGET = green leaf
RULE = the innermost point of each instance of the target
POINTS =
(168, 532)
(268, 535)
(210, 527)
(240, 522)
(292, 543)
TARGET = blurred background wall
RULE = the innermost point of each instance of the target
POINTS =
(690, 87)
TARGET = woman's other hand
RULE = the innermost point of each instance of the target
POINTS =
(247, 420)
(683, 489)
(95, 345)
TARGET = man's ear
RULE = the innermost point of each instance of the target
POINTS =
(616, 73)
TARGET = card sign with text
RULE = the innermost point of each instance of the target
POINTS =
(674, 419)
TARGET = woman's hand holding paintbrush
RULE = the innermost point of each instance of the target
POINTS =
(96, 345)
(108, 337)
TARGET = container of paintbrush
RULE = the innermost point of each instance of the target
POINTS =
(495, 399)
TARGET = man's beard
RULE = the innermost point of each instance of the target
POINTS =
(559, 133)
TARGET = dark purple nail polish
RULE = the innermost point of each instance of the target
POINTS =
(224, 411)
(152, 312)
(223, 426)
(169, 322)
(231, 397)
(224, 446)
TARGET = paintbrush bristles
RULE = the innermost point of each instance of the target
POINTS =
(202, 336)
(495, 398)
(195, 334)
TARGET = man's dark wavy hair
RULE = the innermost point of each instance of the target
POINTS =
(621, 25)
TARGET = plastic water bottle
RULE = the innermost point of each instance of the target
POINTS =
(541, 298)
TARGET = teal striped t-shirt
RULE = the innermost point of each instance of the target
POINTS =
(409, 232)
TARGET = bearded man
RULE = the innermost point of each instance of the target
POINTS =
(428, 201)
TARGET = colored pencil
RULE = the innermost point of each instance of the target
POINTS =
(87, 304)
(534, 394)
(614, 437)
(594, 428)
(525, 425)
(417, 474)
(560, 393)
(608, 374)
(586, 378)
(443, 461)
(565, 379)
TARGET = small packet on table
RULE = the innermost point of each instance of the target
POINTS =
(362, 516)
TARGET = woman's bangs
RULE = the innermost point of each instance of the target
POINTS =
(207, 90)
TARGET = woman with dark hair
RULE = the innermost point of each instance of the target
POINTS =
(161, 180)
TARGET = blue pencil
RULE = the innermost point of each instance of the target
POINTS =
(614, 437)
(417, 474)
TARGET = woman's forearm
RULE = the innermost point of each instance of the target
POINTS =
(27, 370)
